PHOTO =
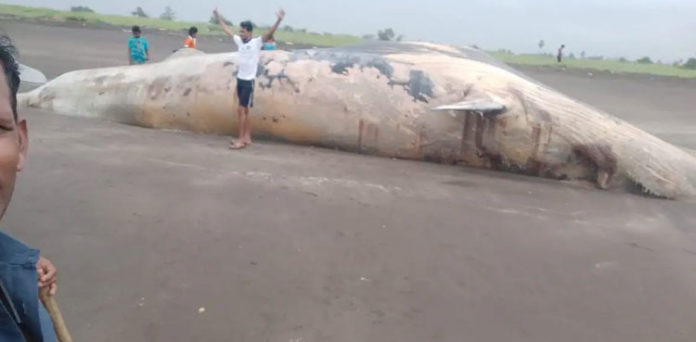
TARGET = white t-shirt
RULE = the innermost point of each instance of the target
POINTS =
(248, 57)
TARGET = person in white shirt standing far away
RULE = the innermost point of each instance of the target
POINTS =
(248, 54)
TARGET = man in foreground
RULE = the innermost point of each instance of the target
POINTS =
(22, 317)
(248, 61)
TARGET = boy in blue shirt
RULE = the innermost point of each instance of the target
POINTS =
(138, 49)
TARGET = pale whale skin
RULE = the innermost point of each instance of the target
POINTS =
(381, 99)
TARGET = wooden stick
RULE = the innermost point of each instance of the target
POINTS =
(58, 323)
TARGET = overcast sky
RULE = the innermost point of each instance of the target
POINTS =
(662, 29)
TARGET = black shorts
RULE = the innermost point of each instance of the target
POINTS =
(245, 93)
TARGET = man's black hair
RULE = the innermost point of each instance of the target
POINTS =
(11, 69)
(136, 29)
(193, 30)
(247, 25)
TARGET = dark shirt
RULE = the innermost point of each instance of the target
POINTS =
(21, 313)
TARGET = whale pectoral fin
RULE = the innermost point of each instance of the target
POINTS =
(31, 75)
(480, 106)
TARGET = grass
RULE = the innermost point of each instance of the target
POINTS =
(47, 14)
(610, 65)
(317, 39)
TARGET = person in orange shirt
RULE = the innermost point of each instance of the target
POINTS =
(190, 41)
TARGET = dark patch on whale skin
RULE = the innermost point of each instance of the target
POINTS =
(418, 86)
(260, 70)
(390, 48)
(341, 68)
(376, 51)
(382, 66)
(280, 77)
(341, 61)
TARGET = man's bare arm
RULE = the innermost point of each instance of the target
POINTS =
(268, 35)
(222, 23)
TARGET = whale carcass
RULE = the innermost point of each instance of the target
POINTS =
(405, 100)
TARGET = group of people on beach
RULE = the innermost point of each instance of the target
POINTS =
(248, 48)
